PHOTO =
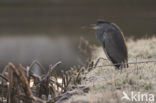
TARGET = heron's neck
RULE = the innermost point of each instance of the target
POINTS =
(100, 36)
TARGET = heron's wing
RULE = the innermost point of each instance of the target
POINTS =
(115, 46)
(119, 39)
(108, 55)
(106, 52)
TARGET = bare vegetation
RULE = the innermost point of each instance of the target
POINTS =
(21, 85)
(96, 83)
(107, 84)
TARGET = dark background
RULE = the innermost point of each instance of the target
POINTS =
(136, 18)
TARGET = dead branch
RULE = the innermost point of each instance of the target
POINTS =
(31, 74)
(51, 69)
(17, 88)
(5, 69)
(39, 64)
(98, 60)
(6, 79)
(18, 80)
(45, 81)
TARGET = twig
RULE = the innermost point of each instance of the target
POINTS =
(18, 82)
(31, 73)
(5, 69)
(22, 79)
(3, 77)
(44, 87)
(51, 69)
(39, 64)
(98, 60)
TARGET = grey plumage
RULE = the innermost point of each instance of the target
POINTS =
(112, 39)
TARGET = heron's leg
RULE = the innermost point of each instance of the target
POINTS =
(127, 64)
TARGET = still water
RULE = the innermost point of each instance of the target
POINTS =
(56, 25)
(24, 50)
(136, 18)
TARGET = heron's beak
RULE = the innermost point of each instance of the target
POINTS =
(92, 26)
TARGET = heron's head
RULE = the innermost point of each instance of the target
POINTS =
(101, 27)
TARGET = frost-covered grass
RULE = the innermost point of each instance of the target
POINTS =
(107, 84)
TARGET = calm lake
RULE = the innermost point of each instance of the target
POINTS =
(64, 19)
(136, 18)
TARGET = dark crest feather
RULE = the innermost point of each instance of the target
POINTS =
(102, 21)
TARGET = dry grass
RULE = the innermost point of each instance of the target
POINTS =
(106, 84)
